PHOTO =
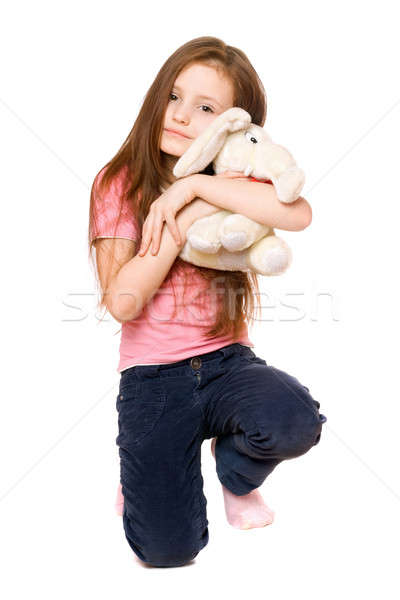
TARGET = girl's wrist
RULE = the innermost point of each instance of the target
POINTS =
(187, 215)
(194, 183)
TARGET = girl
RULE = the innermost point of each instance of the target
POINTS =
(188, 372)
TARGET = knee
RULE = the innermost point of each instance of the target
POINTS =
(170, 559)
(298, 427)
(166, 541)
(292, 437)
(171, 551)
(301, 440)
(304, 433)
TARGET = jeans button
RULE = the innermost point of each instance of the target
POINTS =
(195, 363)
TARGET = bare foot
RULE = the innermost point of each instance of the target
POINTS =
(248, 511)
(119, 501)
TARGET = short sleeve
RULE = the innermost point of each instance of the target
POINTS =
(107, 222)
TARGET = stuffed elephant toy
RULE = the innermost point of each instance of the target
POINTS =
(231, 241)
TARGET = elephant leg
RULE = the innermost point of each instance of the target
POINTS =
(203, 233)
(238, 232)
(269, 256)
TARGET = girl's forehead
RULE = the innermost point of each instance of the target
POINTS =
(203, 76)
(212, 89)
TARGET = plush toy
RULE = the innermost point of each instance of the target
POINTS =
(231, 241)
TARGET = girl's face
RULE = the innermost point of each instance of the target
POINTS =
(198, 96)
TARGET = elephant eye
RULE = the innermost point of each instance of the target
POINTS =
(251, 137)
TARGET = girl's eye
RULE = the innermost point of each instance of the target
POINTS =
(203, 105)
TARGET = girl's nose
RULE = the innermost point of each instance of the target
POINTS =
(182, 116)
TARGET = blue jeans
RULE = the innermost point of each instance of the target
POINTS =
(259, 414)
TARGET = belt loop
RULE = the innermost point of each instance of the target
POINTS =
(246, 351)
(231, 349)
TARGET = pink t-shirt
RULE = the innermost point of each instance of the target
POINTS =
(155, 337)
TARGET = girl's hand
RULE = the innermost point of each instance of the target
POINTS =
(168, 204)
(163, 209)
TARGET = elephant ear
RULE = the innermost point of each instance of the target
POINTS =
(207, 145)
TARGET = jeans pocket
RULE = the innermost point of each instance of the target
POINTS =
(140, 406)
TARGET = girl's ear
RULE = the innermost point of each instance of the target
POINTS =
(206, 146)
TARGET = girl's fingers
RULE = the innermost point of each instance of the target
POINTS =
(146, 234)
(156, 234)
(173, 227)
(143, 246)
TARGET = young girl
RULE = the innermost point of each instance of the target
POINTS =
(188, 372)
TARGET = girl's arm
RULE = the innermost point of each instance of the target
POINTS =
(134, 283)
(255, 200)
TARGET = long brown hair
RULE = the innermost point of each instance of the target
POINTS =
(149, 167)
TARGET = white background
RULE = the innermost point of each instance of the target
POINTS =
(73, 76)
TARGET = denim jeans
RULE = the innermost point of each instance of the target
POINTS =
(259, 414)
